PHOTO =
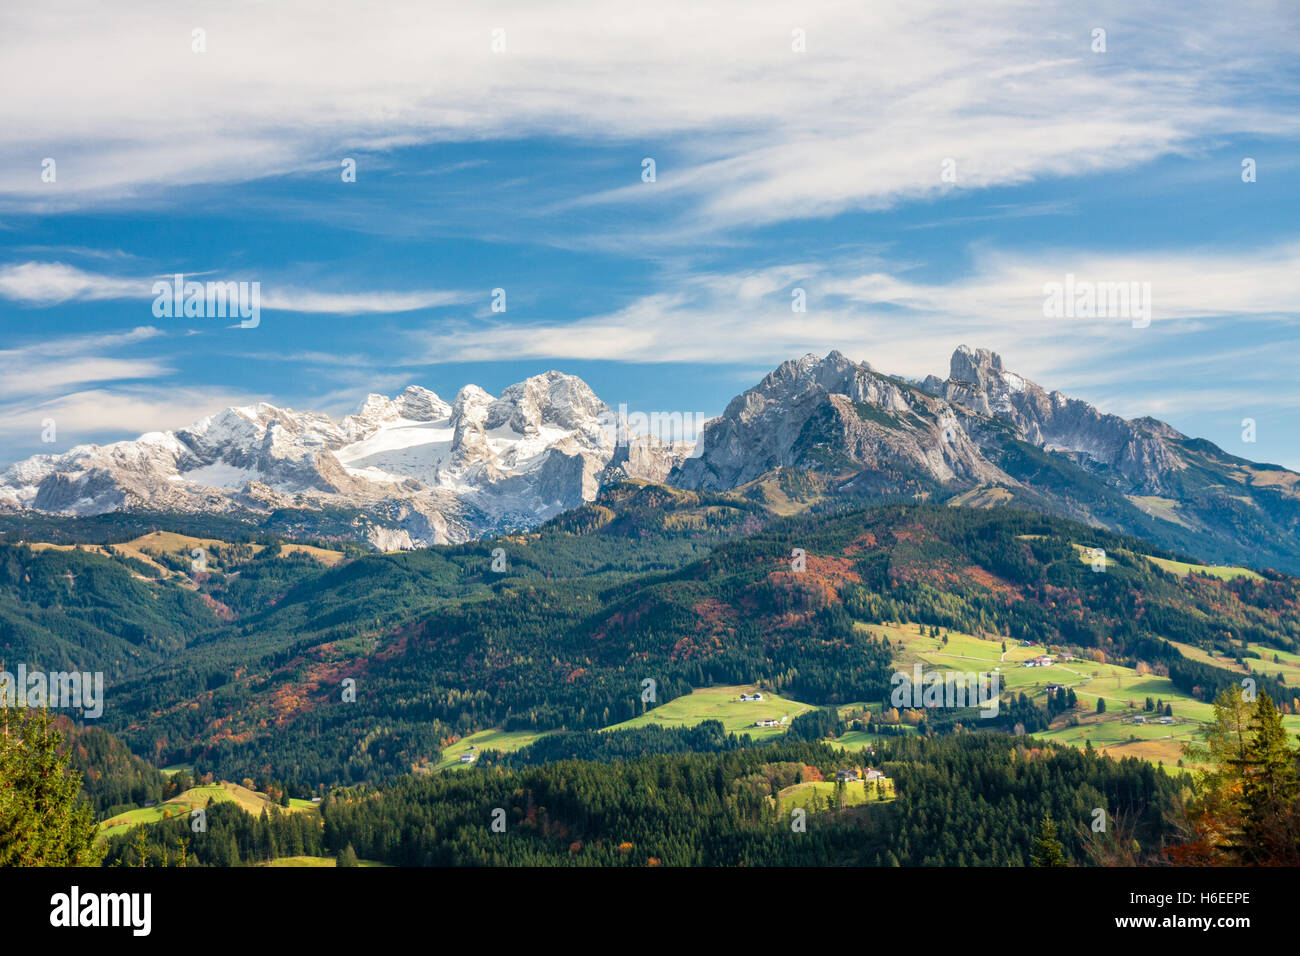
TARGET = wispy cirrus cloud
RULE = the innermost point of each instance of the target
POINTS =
(39, 369)
(897, 321)
(53, 283)
(126, 411)
(290, 299)
(746, 129)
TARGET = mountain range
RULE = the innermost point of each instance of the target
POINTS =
(417, 469)
(815, 433)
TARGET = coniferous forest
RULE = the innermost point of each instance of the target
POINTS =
(693, 592)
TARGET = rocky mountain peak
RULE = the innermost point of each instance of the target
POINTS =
(975, 366)
(421, 405)
(552, 398)
(424, 471)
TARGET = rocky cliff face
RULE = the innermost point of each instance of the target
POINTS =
(825, 413)
(986, 435)
(1138, 451)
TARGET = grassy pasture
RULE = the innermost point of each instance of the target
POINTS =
(145, 547)
(724, 704)
(312, 862)
(814, 794)
(507, 741)
(1221, 571)
(1090, 680)
(225, 792)
(1182, 568)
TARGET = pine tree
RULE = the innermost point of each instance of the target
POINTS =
(140, 847)
(347, 856)
(1270, 826)
(43, 821)
(1047, 849)
(1215, 814)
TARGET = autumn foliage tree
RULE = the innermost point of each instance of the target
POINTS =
(1247, 807)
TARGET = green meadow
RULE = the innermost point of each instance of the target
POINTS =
(225, 792)
(1123, 689)
(813, 795)
(507, 741)
(1182, 568)
(723, 704)
(312, 862)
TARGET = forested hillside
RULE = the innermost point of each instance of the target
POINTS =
(973, 800)
(647, 583)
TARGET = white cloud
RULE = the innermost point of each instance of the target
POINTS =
(745, 130)
(61, 373)
(111, 414)
(51, 283)
(904, 325)
(289, 299)
(40, 368)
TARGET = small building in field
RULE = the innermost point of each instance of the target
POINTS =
(875, 775)
(469, 757)
(842, 776)
(768, 722)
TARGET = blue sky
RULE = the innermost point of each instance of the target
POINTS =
(521, 169)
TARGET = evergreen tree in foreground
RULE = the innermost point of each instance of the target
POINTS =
(43, 821)
(1269, 833)
(1047, 850)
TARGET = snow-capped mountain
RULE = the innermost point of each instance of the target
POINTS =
(426, 471)
(416, 470)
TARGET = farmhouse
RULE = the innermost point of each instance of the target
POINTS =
(768, 722)
(845, 775)
(875, 775)
(468, 757)
(754, 696)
